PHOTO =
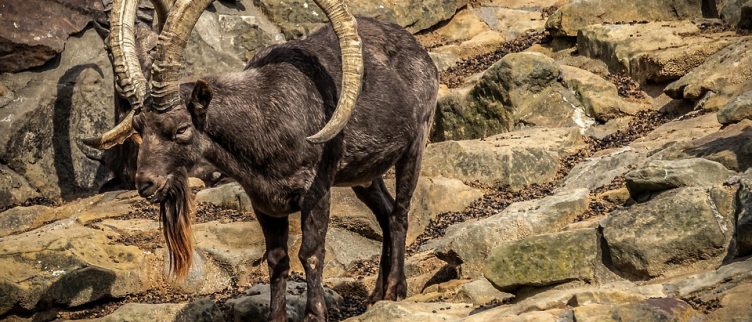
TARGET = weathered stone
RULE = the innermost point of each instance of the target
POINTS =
(228, 196)
(576, 15)
(203, 310)
(677, 133)
(515, 159)
(225, 39)
(735, 305)
(678, 231)
(659, 309)
(254, 307)
(405, 311)
(299, 17)
(66, 264)
(599, 97)
(52, 109)
(32, 33)
(511, 22)
(716, 81)
(730, 146)
(737, 13)
(599, 171)
(425, 269)
(738, 108)
(14, 189)
(472, 242)
(343, 249)
(480, 292)
(744, 215)
(535, 316)
(545, 260)
(714, 281)
(19, 219)
(657, 51)
(521, 88)
(660, 175)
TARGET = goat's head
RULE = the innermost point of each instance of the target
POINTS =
(169, 125)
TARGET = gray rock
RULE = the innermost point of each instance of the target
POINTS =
(576, 15)
(472, 242)
(255, 306)
(14, 189)
(716, 82)
(744, 215)
(299, 17)
(480, 292)
(19, 219)
(516, 159)
(738, 108)
(737, 13)
(657, 51)
(32, 33)
(655, 309)
(228, 196)
(388, 311)
(545, 260)
(678, 231)
(660, 175)
(599, 171)
(203, 310)
(730, 146)
(599, 97)
(521, 88)
(52, 108)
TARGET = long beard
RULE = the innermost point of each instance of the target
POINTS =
(175, 212)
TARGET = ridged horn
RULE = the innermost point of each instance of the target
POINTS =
(165, 90)
(346, 28)
(161, 9)
(128, 75)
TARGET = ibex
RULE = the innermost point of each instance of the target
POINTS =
(370, 88)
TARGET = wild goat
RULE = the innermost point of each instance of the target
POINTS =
(252, 125)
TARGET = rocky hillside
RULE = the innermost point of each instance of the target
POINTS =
(590, 161)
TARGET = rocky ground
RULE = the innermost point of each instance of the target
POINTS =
(589, 162)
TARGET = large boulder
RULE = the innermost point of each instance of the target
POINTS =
(203, 310)
(254, 306)
(656, 51)
(469, 244)
(515, 159)
(738, 108)
(599, 97)
(679, 231)
(32, 33)
(299, 17)
(600, 170)
(716, 82)
(545, 260)
(576, 15)
(737, 13)
(67, 264)
(521, 89)
(660, 175)
(731, 146)
(51, 109)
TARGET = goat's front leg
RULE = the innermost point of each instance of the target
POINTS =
(314, 221)
(275, 233)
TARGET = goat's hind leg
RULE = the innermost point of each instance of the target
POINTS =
(381, 203)
(276, 234)
(408, 170)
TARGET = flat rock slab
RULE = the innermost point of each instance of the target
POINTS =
(679, 231)
(200, 311)
(717, 81)
(472, 242)
(515, 159)
(577, 15)
(660, 175)
(545, 260)
(406, 311)
(255, 306)
(656, 51)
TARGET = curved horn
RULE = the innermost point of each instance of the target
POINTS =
(346, 28)
(161, 9)
(166, 69)
(128, 75)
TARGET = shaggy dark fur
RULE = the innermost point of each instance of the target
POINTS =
(252, 126)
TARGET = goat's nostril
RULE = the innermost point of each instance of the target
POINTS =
(145, 187)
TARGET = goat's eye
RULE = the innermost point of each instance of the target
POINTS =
(183, 134)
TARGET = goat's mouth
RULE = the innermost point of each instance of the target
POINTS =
(160, 194)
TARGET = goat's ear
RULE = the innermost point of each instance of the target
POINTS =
(197, 97)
